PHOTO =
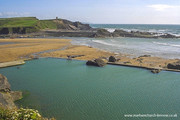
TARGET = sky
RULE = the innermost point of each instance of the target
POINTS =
(96, 11)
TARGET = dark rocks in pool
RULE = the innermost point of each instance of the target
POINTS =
(96, 62)
(112, 59)
(155, 71)
(175, 65)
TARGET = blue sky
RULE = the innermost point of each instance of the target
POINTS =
(96, 11)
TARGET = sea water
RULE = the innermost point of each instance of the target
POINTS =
(157, 28)
(166, 48)
(70, 90)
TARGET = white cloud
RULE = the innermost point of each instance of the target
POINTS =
(162, 7)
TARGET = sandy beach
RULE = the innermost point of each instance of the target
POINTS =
(25, 49)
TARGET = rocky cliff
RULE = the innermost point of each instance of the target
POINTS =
(7, 97)
(33, 27)
(26, 25)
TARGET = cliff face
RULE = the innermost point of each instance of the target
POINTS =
(17, 30)
(61, 27)
(68, 25)
(32, 24)
(7, 97)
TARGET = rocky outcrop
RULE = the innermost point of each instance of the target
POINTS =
(20, 27)
(144, 56)
(96, 62)
(68, 33)
(7, 97)
(122, 33)
(18, 30)
(167, 36)
(70, 57)
(112, 59)
(84, 31)
(175, 65)
(63, 24)
(102, 33)
(155, 71)
(61, 27)
(4, 84)
(81, 26)
(4, 31)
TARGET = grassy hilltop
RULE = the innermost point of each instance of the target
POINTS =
(18, 22)
(23, 25)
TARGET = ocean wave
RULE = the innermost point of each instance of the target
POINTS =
(167, 44)
(157, 31)
(110, 29)
(105, 43)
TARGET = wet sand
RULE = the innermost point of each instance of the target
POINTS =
(24, 49)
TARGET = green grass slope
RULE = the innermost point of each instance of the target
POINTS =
(24, 25)
(46, 24)
(18, 22)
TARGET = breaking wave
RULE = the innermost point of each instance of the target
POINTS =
(105, 43)
(167, 44)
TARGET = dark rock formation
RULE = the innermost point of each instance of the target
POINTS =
(102, 33)
(112, 59)
(68, 25)
(155, 71)
(67, 33)
(7, 97)
(16, 95)
(82, 26)
(145, 56)
(18, 30)
(74, 56)
(122, 33)
(4, 85)
(4, 31)
(91, 62)
(167, 36)
(175, 65)
(58, 24)
(61, 27)
(71, 30)
(96, 62)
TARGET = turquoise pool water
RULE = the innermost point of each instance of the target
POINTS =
(70, 90)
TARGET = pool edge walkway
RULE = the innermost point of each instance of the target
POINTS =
(149, 68)
(12, 63)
